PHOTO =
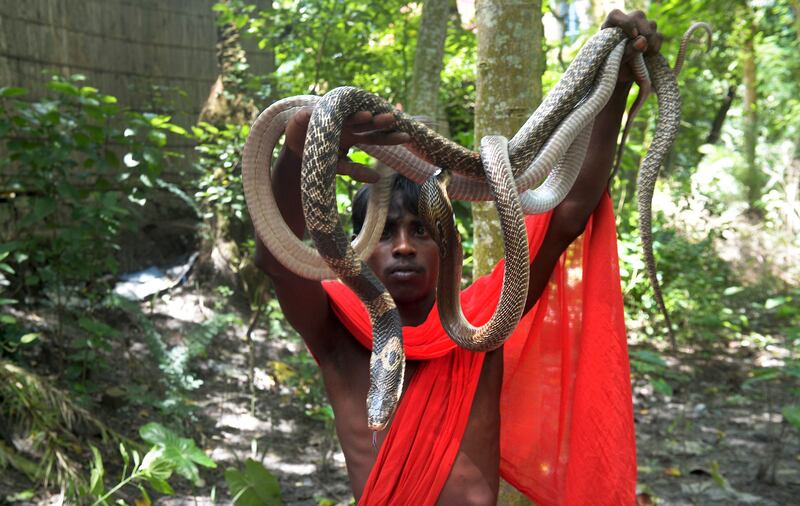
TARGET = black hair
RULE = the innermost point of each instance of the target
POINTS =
(401, 185)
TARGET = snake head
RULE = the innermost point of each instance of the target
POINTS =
(387, 368)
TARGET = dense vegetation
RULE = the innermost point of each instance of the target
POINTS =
(76, 166)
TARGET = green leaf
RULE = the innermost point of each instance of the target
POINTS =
(650, 357)
(42, 207)
(126, 458)
(98, 472)
(29, 338)
(732, 290)
(774, 302)
(7, 268)
(255, 486)
(181, 452)
(662, 387)
(64, 87)
(176, 129)
(155, 433)
(792, 415)
(7, 319)
(12, 91)
(156, 464)
(160, 486)
(762, 375)
(97, 327)
(8, 247)
(7, 302)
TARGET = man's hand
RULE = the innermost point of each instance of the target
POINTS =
(646, 39)
(361, 128)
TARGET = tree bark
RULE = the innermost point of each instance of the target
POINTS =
(719, 119)
(428, 62)
(753, 179)
(508, 88)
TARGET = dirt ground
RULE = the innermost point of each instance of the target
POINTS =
(705, 444)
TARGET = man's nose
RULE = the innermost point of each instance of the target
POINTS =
(402, 244)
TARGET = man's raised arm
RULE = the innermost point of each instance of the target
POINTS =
(304, 301)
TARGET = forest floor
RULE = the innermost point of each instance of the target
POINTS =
(704, 444)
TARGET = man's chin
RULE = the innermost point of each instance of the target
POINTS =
(406, 295)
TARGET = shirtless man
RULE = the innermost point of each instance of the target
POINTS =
(406, 261)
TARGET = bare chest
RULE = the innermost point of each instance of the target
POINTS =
(475, 472)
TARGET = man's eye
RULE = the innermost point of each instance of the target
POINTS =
(385, 234)
(420, 230)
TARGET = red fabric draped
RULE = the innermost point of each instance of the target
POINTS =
(566, 433)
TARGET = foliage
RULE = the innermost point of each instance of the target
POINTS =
(253, 485)
(154, 469)
(169, 454)
(72, 164)
(181, 452)
(13, 336)
(220, 191)
(651, 365)
(321, 44)
(175, 362)
(48, 419)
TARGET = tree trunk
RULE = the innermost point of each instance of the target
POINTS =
(428, 62)
(508, 88)
(753, 179)
(719, 119)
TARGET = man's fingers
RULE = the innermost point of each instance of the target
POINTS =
(381, 122)
(357, 171)
(296, 129)
(301, 117)
(381, 138)
(358, 119)
(620, 19)
(654, 43)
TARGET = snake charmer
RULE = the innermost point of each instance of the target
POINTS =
(550, 410)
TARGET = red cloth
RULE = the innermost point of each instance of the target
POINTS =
(566, 432)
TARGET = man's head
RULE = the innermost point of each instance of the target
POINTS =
(406, 259)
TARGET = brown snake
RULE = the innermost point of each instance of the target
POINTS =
(320, 160)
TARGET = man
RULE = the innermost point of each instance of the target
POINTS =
(331, 323)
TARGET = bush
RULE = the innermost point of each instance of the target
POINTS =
(71, 164)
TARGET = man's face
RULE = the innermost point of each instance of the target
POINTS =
(406, 259)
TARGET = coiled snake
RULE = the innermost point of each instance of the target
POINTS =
(550, 146)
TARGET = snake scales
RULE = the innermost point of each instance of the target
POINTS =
(556, 132)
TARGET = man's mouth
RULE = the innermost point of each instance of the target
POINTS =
(404, 271)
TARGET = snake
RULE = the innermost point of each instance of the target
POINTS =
(466, 183)
(466, 177)
(436, 212)
(662, 79)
